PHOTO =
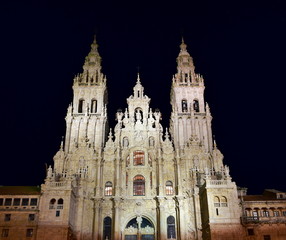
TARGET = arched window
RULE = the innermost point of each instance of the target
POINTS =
(80, 106)
(196, 105)
(107, 223)
(139, 185)
(52, 203)
(169, 188)
(184, 105)
(138, 158)
(171, 229)
(216, 201)
(93, 105)
(125, 142)
(151, 141)
(223, 202)
(108, 189)
(60, 203)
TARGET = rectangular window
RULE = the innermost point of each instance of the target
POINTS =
(265, 214)
(276, 213)
(138, 158)
(1, 201)
(16, 202)
(33, 202)
(255, 215)
(284, 213)
(25, 201)
(29, 232)
(8, 201)
(250, 231)
(5, 232)
(58, 213)
(266, 237)
(7, 217)
(31, 217)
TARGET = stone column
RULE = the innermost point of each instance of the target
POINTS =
(179, 186)
(96, 230)
(197, 210)
(160, 171)
(116, 224)
(68, 134)
(162, 231)
(180, 221)
(117, 175)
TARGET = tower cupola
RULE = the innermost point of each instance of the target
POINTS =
(138, 88)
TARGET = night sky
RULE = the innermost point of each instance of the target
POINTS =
(238, 46)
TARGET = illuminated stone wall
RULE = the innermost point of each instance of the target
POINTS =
(138, 180)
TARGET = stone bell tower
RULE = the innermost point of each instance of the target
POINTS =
(86, 118)
(66, 200)
(190, 114)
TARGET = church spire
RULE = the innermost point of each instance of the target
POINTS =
(89, 105)
(92, 60)
(91, 68)
(185, 67)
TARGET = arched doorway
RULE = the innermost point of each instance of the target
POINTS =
(139, 228)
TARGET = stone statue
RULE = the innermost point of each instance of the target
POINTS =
(50, 172)
(138, 115)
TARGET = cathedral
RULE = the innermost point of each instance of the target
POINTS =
(136, 181)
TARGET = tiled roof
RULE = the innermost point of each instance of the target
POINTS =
(20, 190)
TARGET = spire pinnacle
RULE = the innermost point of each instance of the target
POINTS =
(94, 44)
(138, 78)
(62, 144)
(215, 145)
(110, 134)
(183, 46)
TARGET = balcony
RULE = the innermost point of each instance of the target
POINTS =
(259, 219)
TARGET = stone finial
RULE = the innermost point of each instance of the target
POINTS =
(208, 112)
(215, 145)
(167, 134)
(138, 78)
(183, 46)
(94, 44)
(110, 134)
(62, 144)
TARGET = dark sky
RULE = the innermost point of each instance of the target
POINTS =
(239, 48)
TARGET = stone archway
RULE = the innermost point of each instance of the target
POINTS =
(139, 228)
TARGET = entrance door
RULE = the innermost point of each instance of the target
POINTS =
(139, 228)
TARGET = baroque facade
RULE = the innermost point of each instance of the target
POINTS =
(138, 180)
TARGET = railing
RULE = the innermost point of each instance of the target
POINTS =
(218, 182)
(259, 219)
(222, 204)
(60, 206)
(15, 208)
(56, 184)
